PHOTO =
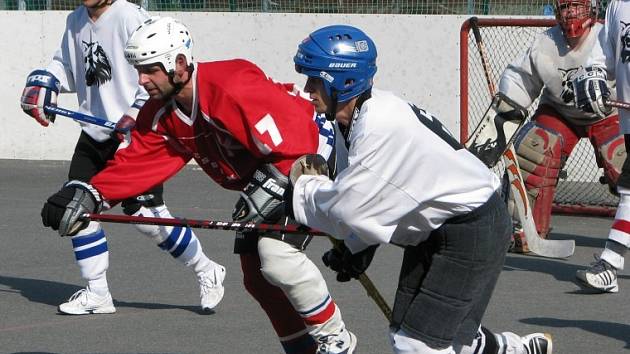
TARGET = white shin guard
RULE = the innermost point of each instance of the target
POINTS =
(290, 269)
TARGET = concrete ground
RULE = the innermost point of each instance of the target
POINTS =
(157, 298)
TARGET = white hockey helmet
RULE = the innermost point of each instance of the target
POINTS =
(159, 40)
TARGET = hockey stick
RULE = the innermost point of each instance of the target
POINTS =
(367, 283)
(79, 116)
(203, 224)
(538, 245)
(369, 287)
(618, 104)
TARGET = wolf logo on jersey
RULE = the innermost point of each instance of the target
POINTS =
(625, 42)
(97, 68)
(567, 85)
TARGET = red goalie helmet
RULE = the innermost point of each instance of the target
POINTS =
(575, 16)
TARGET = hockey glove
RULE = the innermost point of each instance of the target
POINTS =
(41, 90)
(310, 164)
(63, 210)
(346, 264)
(124, 126)
(591, 91)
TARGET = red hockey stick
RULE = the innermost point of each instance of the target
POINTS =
(204, 224)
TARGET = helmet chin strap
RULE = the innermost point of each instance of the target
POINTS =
(178, 86)
(332, 110)
(347, 131)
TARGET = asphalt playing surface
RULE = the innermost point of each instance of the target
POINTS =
(157, 298)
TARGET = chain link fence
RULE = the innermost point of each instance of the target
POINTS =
(423, 7)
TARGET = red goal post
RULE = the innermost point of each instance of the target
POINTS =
(505, 39)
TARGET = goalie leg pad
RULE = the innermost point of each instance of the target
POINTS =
(610, 148)
(542, 147)
(287, 323)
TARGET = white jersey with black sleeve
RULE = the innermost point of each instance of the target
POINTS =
(546, 70)
(613, 52)
(406, 176)
(91, 62)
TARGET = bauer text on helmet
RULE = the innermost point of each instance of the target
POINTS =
(344, 57)
(158, 41)
(575, 16)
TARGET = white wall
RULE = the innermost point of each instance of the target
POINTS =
(418, 58)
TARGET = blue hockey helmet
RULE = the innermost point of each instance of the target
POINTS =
(344, 57)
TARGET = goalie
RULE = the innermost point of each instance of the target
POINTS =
(544, 144)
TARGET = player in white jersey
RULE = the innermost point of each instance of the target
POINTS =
(545, 143)
(610, 58)
(90, 62)
(410, 183)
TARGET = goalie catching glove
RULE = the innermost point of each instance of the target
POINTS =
(591, 92)
(63, 210)
(41, 90)
(346, 264)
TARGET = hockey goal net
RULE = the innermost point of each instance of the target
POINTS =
(579, 187)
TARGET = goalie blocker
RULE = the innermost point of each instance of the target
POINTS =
(496, 130)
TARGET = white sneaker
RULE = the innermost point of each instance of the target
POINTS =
(600, 275)
(344, 343)
(85, 302)
(538, 343)
(211, 286)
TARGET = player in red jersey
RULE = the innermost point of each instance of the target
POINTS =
(244, 131)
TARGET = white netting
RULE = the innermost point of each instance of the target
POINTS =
(496, 7)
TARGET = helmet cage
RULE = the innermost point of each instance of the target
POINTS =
(159, 40)
(575, 23)
(343, 57)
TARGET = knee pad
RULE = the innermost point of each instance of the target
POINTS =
(539, 153)
(157, 233)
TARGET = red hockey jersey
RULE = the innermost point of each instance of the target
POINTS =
(241, 119)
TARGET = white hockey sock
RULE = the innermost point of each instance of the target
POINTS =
(289, 269)
(92, 256)
(619, 236)
(180, 242)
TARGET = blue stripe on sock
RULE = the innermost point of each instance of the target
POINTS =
(171, 240)
(314, 309)
(183, 244)
(87, 239)
(91, 252)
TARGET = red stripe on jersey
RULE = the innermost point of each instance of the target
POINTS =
(622, 225)
(321, 317)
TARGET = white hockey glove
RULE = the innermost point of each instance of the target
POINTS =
(310, 164)
(63, 210)
(41, 90)
(591, 91)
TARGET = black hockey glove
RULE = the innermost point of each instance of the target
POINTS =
(346, 264)
(63, 210)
